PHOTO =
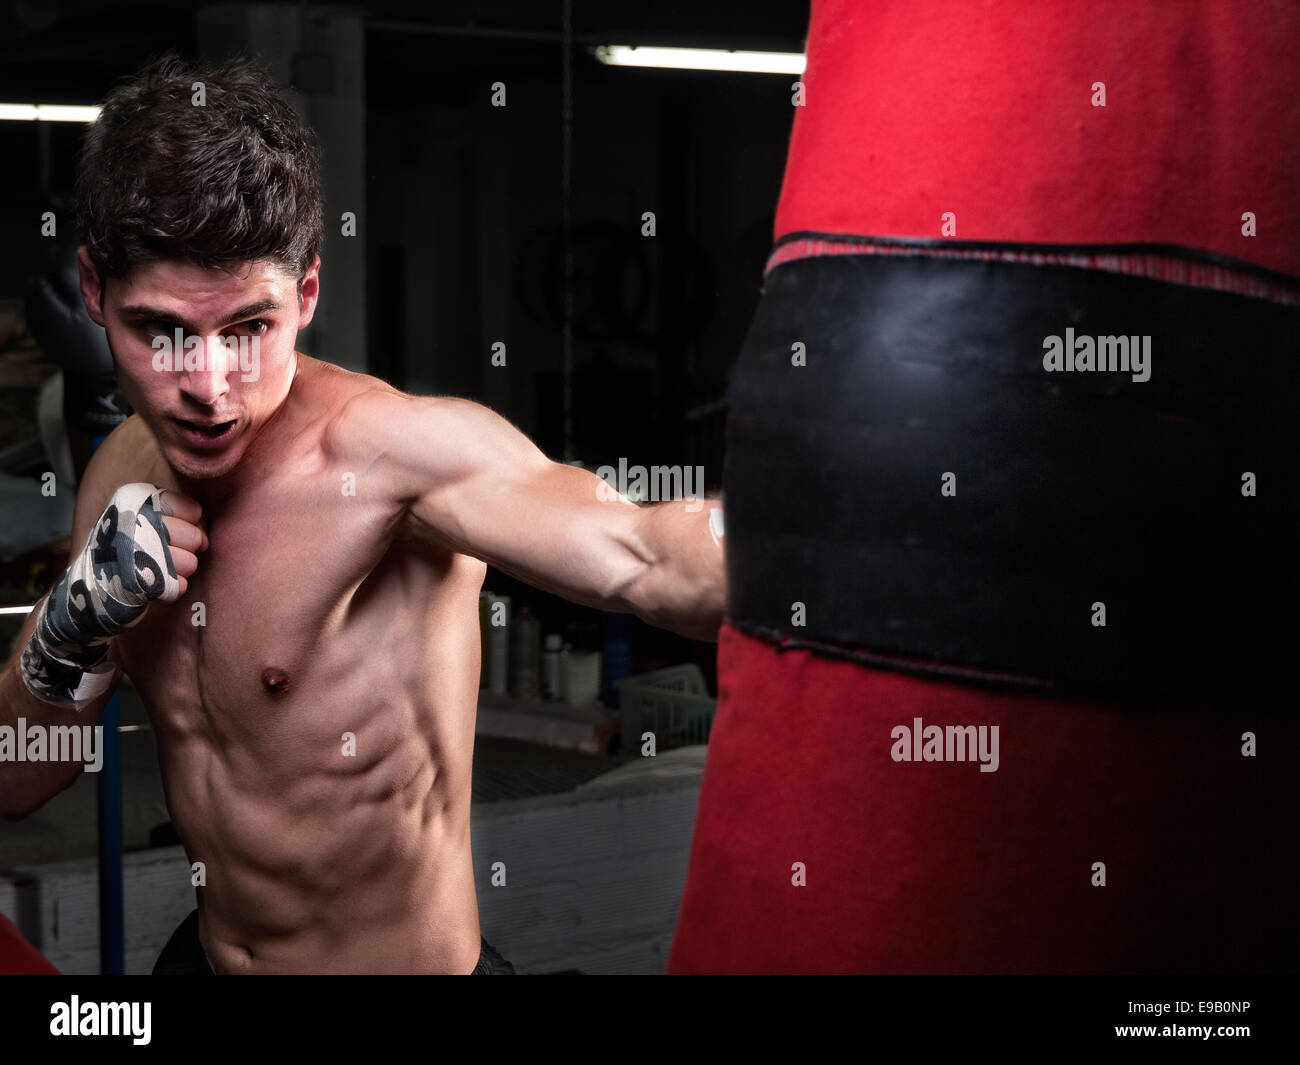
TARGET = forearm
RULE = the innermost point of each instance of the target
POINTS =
(26, 786)
(683, 589)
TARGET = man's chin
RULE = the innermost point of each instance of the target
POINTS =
(200, 467)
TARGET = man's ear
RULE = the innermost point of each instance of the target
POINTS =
(308, 293)
(92, 291)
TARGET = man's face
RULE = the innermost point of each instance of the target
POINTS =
(207, 390)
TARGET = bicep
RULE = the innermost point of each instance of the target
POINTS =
(494, 495)
(102, 477)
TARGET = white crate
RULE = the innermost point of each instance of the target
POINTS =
(672, 703)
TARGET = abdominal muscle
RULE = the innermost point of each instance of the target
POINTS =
(320, 771)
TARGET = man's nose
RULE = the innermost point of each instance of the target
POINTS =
(209, 383)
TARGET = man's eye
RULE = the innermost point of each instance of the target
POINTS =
(254, 327)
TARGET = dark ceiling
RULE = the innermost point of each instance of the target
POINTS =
(73, 50)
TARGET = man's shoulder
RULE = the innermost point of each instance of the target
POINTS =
(366, 411)
(356, 405)
(127, 455)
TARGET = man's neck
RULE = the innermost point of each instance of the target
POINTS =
(212, 492)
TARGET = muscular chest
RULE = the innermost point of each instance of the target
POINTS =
(270, 598)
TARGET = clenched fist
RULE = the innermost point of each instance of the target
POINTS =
(143, 547)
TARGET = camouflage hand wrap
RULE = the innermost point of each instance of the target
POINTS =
(124, 565)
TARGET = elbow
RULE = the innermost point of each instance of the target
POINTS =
(667, 603)
(632, 594)
(679, 594)
(630, 583)
(701, 624)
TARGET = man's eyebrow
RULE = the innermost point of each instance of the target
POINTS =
(139, 310)
(253, 309)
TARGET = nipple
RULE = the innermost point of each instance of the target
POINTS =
(276, 681)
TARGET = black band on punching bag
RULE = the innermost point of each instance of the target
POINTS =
(1072, 488)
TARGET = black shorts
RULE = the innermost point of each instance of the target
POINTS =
(184, 955)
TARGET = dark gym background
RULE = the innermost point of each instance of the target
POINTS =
(464, 214)
(460, 205)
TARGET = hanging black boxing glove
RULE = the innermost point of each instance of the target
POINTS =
(57, 318)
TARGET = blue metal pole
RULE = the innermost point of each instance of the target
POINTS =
(108, 786)
(112, 914)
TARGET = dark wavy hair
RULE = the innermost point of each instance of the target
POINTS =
(234, 180)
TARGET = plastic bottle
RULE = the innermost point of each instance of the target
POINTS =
(580, 665)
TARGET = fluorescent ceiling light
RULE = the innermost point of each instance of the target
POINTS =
(15, 609)
(623, 55)
(48, 113)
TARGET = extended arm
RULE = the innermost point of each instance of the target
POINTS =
(473, 483)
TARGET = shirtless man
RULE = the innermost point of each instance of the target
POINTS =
(336, 532)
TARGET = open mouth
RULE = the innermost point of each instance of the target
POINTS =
(206, 432)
